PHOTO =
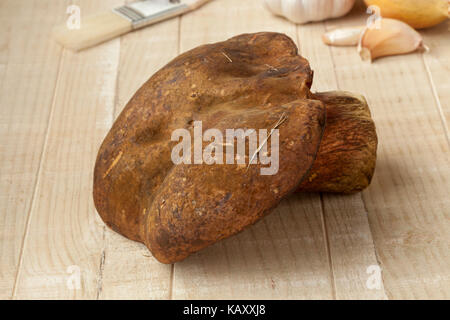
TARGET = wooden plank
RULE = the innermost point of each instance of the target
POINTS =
(356, 271)
(63, 246)
(351, 246)
(437, 64)
(283, 256)
(407, 203)
(28, 70)
(129, 271)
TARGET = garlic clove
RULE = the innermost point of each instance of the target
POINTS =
(389, 37)
(343, 36)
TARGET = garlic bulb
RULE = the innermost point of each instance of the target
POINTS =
(417, 13)
(303, 11)
(390, 38)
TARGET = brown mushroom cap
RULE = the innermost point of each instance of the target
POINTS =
(254, 70)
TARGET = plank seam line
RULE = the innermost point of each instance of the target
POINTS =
(172, 267)
(38, 176)
(322, 202)
(377, 257)
(322, 207)
(113, 116)
(172, 275)
(328, 248)
(179, 36)
(333, 63)
(116, 86)
(101, 266)
(437, 100)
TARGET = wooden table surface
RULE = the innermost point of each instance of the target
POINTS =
(389, 242)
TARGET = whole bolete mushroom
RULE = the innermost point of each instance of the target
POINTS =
(252, 81)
